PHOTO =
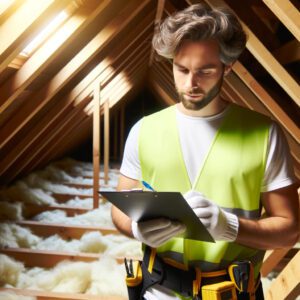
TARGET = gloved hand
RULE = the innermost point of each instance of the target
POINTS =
(156, 232)
(222, 225)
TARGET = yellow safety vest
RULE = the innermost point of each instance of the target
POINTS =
(231, 176)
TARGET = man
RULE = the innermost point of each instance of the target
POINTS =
(228, 162)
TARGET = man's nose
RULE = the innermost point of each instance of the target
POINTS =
(191, 81)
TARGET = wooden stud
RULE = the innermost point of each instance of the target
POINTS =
(106, 140)
(96, 143)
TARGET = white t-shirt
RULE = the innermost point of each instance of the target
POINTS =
(196, 135)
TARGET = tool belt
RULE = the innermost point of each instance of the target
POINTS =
(189, 283)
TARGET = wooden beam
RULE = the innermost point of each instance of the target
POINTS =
(30, 210)
(61, 198)
(96, 143)
(47, 55)
(287, 13)
(158, 16)
(106, 140)
(44, 95)
(287, 284)
(24, 25)
(271, 260)
(42, 295)
(65, 231)
(288, 53)
(48, 259)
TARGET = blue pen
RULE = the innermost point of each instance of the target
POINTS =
(148, 186)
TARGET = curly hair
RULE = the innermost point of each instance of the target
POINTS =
(197, 23)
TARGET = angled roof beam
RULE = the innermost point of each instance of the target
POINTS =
(44, 95)
(46, 55)
(23, 25)
(159, 13)
(287, 13)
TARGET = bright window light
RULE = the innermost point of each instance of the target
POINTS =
(45, 33)
(4, 5)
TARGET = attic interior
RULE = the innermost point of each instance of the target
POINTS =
(76, 75)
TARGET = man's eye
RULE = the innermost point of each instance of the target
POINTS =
(205, 72)
(184, 71)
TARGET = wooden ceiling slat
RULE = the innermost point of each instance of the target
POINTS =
(287, 13)
(43, 58)
(43, 96)
(18, 30)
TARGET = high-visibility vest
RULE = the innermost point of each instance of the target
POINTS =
(231, 176)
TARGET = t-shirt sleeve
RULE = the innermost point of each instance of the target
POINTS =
(279, 168)
(130, 166)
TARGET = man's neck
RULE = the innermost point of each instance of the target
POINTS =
(213, 108)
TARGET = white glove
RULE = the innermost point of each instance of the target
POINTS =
(222, 225)
(156, 232)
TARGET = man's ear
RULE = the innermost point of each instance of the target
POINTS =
(227, 69)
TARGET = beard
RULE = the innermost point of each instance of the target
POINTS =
(207, 98)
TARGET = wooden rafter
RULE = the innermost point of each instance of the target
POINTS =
(106, 140)
(19, 29)
(288, 53)
(287, 13)
(158, 16)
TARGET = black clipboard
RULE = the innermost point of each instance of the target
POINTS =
(142, 206)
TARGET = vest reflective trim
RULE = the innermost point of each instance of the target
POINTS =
(235, 165)
(253, 214)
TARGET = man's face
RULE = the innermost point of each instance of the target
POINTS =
(198, 73)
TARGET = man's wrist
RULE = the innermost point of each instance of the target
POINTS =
(232, 226)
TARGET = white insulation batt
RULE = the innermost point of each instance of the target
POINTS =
(13, 296)
(102, 277)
